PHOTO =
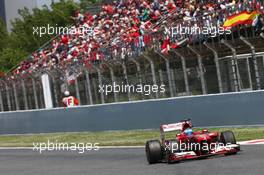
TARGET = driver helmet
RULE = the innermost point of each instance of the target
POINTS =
(66, 93)
(188, 131)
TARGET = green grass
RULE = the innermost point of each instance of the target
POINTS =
(113, 138)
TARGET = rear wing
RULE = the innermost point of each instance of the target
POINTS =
(179, 126)
(171, 127)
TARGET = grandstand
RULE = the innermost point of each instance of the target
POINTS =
(129, 46)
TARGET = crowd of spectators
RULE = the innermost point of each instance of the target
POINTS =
(127, 27)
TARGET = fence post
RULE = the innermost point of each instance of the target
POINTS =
(200, 64)
(235, 71)
(253, 53)
(35, 92)
(112, 78)
(126, 77)
(218, 72)
(15, 95)
(185, 76)
(138, 70)
(77, 90)
(41, 105)
(1, 100)
(100, 82)
(88, 83)
(47, 90)
(172, 74)
(139, 73)
(7, 96)
(161, 82)
(55, 88)
(168, 73)
(24, 94)
(152, 71)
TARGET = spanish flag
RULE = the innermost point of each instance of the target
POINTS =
(241, 18)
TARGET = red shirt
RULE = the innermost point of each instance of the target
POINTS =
(70, 101)
(64, 39)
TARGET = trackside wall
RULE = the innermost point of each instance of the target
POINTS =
(243, 108)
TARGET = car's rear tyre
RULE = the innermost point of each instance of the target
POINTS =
(228, 137)
(153, 151)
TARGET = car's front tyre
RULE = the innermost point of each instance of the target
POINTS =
(228, 137)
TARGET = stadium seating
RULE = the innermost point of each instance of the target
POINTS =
(126, 28)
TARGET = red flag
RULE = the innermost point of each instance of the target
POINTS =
(178, 44)
(165, 47)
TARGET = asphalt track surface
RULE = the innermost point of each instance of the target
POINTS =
(126, 162)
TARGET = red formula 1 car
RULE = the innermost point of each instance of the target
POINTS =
(189, 144)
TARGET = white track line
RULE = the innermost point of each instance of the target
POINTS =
(252, 142)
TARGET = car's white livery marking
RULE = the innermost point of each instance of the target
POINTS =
(189, 153)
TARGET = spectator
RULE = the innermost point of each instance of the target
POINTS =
(69, 101)
(127, 27)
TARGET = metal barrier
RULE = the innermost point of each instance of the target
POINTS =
(180, 76)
